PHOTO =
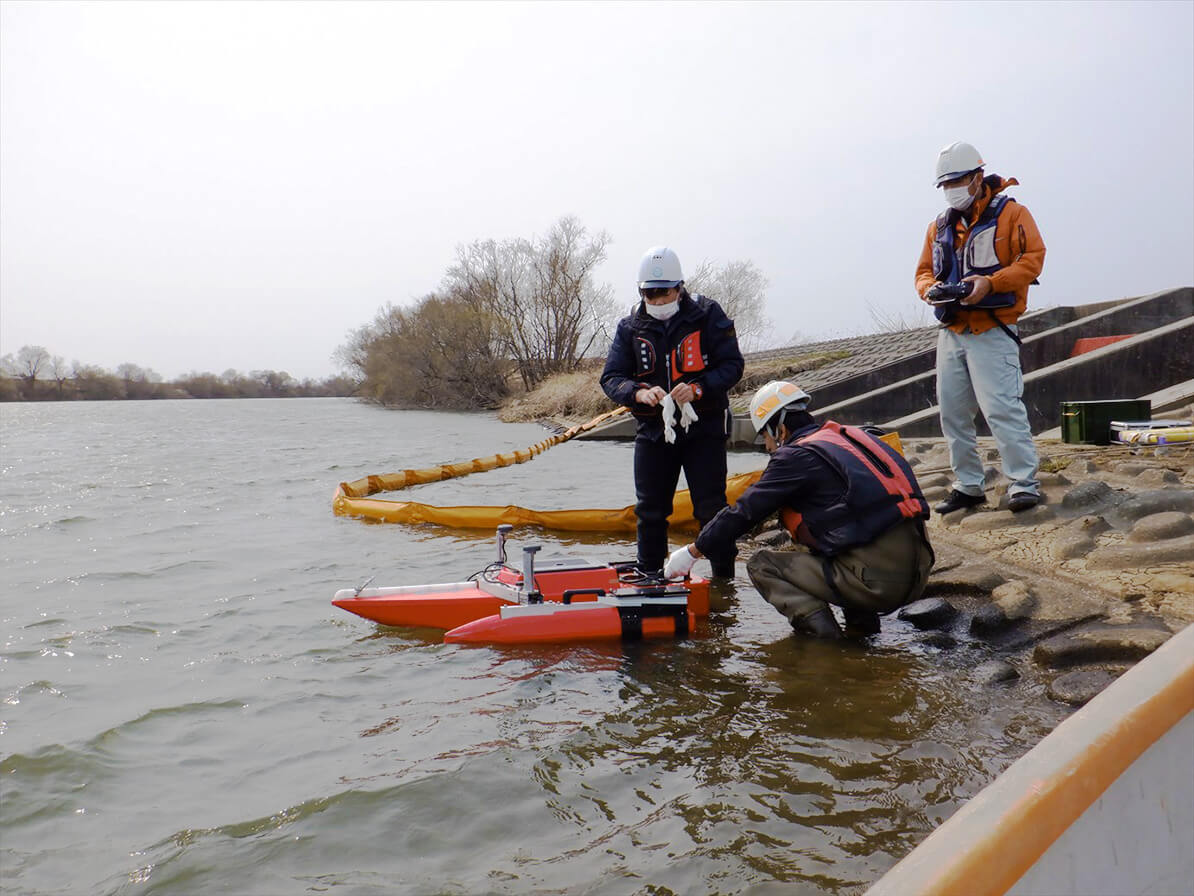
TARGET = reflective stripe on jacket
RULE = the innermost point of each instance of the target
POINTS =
(880, 491)
(698, 345)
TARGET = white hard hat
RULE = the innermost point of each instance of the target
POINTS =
(774, 397)
(660, 267)
(955, 160)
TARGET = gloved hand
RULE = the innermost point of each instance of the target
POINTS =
(668, 409)
(687, 417)
(679, 563)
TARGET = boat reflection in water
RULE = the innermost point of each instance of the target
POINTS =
(788, 759)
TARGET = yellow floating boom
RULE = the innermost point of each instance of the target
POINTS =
(465, 517)
(353, 498)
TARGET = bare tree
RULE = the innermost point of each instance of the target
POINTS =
(357, 355)
(530, 306)
(451, 349)
(541, 295)
(60, 372)
(575, 308)
(129, 372)
(741, 290)
(31, 360)
(138, 382)
(274, 383)
(94, 383)
(438, 354)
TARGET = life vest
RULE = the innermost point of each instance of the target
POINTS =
(879, 491)
(975, 256)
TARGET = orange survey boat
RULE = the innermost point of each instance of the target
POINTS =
(560, 600)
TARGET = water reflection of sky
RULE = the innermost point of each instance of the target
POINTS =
(172, 645)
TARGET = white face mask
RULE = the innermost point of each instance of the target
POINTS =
(662, 312)
(958, 197)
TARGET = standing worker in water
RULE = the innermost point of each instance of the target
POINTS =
(673, 361)
(979, 257)
(842, 493)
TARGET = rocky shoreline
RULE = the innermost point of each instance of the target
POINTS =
(1071, 592)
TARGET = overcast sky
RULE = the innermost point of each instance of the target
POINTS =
(203, 186)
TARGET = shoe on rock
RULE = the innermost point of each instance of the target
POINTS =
(958, 500)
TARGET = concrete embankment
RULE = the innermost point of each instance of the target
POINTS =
(1130, 348)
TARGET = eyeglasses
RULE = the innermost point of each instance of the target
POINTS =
(959, 180)
(655, 292)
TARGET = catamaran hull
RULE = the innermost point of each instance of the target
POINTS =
(563, 625)
(449, 605)
(421, 607)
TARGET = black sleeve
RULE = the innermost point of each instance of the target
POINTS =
(725, 357)
(618, 379)
(785, 482)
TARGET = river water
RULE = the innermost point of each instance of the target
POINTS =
(184, 712)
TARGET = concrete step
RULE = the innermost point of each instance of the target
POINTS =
(1142, 365)
(917, 394)
(1165, 403)
(890, 378)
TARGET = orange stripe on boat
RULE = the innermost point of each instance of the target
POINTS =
(445, 610)
(565, 626)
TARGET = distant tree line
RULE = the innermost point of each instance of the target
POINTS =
(510, 314)
(33, 374)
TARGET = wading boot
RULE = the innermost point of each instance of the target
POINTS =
(863, 622)
(723, 569)
(720, 592)
(819, 624)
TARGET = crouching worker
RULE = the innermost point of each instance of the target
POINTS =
(848, 497)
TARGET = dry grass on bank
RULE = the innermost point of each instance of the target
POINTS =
(571, 398)
(759, 373)
(567, 397)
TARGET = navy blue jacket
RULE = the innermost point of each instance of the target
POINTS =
(698, 345)
(842, 505)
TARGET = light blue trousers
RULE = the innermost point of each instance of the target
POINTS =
(982, 372)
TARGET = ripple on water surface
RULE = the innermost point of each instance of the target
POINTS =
(187, 713)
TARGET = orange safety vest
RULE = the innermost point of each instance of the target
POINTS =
(879, 491)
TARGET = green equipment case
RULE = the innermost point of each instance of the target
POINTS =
(1089, 422)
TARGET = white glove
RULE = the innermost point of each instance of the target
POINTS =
(668, 409)
(687, 417)
(679, 563)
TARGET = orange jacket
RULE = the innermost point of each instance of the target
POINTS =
(1018, 246)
